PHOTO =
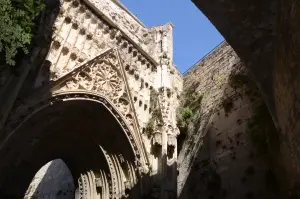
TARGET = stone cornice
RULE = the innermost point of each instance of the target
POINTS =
(132, 15)
(100, 8)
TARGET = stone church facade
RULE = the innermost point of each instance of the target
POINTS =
(103, 100)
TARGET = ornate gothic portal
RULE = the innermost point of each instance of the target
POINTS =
(103, 100)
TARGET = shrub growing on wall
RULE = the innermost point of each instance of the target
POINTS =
(187, 115)
(16, 26)
(184, 118)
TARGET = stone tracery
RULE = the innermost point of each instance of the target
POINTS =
(101, 75)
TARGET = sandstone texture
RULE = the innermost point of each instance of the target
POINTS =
(218, 159)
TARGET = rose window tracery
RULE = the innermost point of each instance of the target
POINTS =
(107, 79)
(101, 77)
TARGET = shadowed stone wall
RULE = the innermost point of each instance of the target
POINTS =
(218, 157)
(286, 85)
(248, 26)
(265, 34)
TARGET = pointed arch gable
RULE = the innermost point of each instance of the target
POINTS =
(23, 114)
(101, 79)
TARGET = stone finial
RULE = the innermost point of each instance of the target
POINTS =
(171, 25)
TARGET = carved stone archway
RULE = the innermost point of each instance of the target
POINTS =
(98, 81)
(114, 178)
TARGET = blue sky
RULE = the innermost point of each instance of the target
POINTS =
(194, 35)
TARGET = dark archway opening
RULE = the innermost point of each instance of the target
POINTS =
(72, 130)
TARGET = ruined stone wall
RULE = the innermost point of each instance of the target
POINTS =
(218, 158)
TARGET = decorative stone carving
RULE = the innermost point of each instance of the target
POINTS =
(157, 139)
(95, 184)
(102, 75)
(172, 141)
(79, 72)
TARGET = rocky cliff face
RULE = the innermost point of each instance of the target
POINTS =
(228, 135)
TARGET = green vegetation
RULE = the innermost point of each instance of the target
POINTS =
(262, 133)
(243, 80)
(190, 105)
(260, 127)
(192, 98)
(150, 127)
(187, 114)
(185, 117)
(16, 27)
(238, 79)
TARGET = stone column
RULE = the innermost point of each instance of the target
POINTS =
(164, 166)
(170, 180)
